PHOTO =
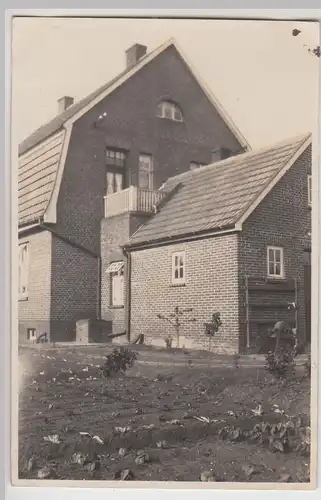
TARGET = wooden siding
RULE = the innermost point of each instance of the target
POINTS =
(36, 178)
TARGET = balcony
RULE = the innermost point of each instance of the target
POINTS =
(132, 199)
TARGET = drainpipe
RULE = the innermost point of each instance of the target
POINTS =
(128, 293)
(98, 312)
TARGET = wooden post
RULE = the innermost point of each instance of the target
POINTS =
(247, 319)
(131, 199)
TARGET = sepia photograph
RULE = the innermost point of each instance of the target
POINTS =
(162, 277)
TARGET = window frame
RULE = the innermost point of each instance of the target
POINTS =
(179, 280)
(32, 337)
(113, 276)
(149, 170)
(173, 107)
(274, 249)
(115, 168)
(114, 173)
(23, 271)
(310, 190)
(122, 159)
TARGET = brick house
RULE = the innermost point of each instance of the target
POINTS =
(234, 238)
(90, 177)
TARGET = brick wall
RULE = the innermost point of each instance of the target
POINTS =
(211, 286)
(131, 124)
(115, 231)
(74, 289)
(282, 219)
(35, 311)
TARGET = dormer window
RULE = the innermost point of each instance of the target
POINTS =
(170, 111)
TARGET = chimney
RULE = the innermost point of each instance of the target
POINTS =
(134, 54)
(220, 154)
(64, 103)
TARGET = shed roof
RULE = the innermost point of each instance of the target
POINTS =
(216, 196)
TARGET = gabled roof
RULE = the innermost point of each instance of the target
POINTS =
(219, 196)
(76, 110)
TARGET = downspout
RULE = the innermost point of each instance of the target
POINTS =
(128, 293)
(98, 312)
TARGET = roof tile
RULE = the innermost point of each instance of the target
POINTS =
(216, 196)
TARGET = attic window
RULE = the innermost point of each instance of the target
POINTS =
(169, 111)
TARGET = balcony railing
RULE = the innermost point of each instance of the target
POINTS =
(132, 199)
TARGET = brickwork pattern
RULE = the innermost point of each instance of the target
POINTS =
(35, 311)
(74, 287)
(115, 231)
(282, 219)
(211, 286)
(131, 124)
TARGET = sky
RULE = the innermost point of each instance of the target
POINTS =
(264, 77)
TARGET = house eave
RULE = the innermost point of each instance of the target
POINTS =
(180, 239)
(33, 147)
(27, 226)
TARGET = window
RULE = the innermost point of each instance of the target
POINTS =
(23, 265)
(275, 262)
(146, 175)
(310, 190)
(115, 182)
(116, 271)
(178, 268)
(170, 111)
(194, 165)
(115, 174)
(114, 157)
(31, 334)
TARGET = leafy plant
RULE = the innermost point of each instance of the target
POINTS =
(168, 342)
(213, 326)
(118, 361)
(231, 433)
(280, 358)
(288, 434)
(280, 362)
